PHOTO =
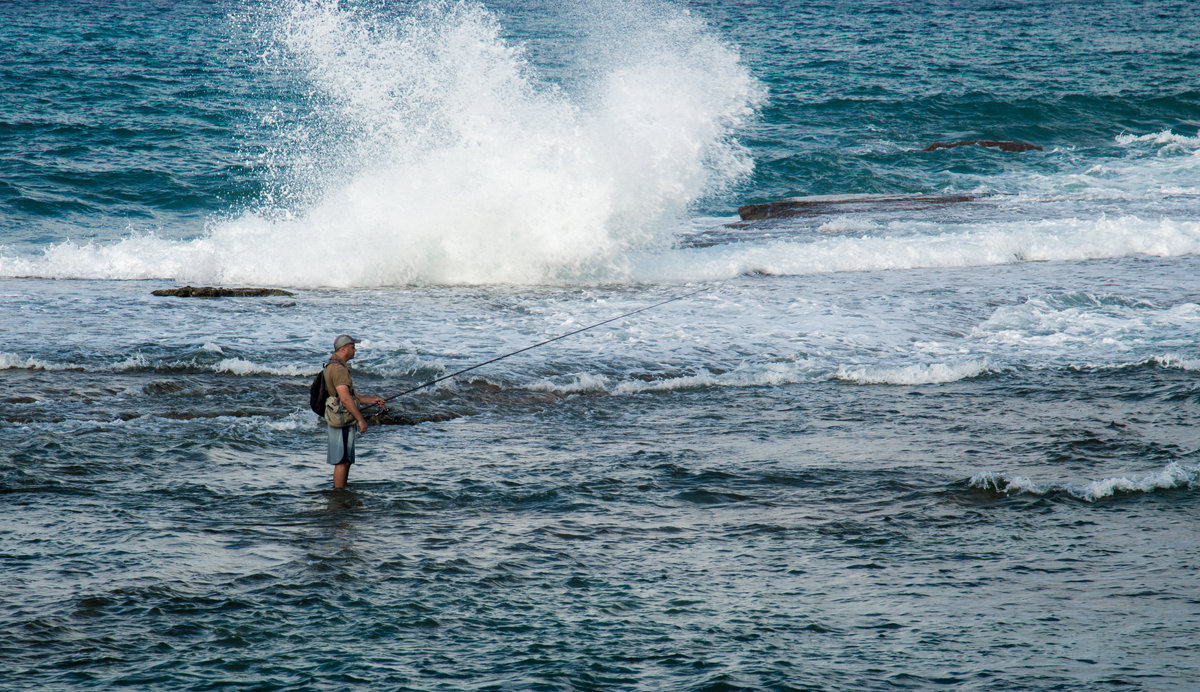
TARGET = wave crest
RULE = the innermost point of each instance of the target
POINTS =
(916, 374)
(1172, 476)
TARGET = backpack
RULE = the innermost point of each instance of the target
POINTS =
(317, 394)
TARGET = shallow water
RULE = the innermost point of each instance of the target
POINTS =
(760, 526)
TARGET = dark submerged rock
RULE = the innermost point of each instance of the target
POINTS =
(401, 418)
(820, 205)
(1015, 147)
(216, 292)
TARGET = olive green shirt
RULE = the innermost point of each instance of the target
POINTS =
(337, 374)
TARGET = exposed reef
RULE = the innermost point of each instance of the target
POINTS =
(1015, 147)
(845, 204)
(216, 292)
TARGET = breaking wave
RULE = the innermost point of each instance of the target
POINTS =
(771, 375)
(140, 363)
(913, 245)
(12, 361)
(920, 373)
(1172, 476)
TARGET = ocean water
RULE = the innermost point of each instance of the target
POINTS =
(879, 448)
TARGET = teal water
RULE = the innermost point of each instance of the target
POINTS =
(948, 448)
(160, 114)
(858, 87)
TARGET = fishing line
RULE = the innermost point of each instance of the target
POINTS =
(540, 343)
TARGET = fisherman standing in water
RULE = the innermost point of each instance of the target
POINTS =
(342, 409)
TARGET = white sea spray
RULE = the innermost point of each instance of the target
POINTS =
(435, 153)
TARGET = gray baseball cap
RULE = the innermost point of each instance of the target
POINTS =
(342, 340)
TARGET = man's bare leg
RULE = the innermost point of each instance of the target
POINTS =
(340, 473)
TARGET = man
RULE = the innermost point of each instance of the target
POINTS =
(343, 409)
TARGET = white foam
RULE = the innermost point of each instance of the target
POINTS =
(135, 362)
(1167, 140)
(12, 361)
(915, 374)
(580, 384)
(139, 361)
(301, 419)
(1173, 475)
(686, 383)
(1154, 166)
(239, 366)
(848, 224)
(757, 375)
(1176, 362)
(911, 245)
(1081, 320)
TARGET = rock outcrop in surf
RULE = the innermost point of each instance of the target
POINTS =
(217, 292)
(844, 204)
(1015, 147)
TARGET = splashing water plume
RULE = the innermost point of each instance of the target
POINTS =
(433, 152)
(461, 167)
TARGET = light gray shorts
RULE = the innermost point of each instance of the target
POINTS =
(341, 444)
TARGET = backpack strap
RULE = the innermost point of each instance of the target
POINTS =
(332, 391)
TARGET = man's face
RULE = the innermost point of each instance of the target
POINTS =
(350, 349)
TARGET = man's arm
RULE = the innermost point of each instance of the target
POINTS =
(343, 392)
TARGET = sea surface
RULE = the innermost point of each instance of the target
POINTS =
(880, 448)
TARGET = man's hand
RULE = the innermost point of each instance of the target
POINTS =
(352, 406)
(369, 401)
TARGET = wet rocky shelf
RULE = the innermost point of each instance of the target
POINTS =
(845, 204)
(218, 292)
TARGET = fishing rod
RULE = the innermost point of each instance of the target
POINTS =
(540, 343)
